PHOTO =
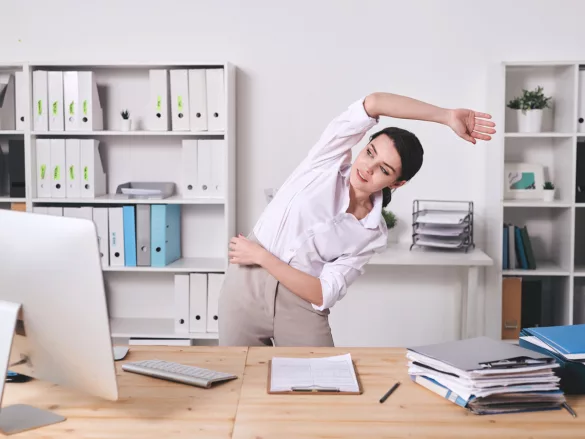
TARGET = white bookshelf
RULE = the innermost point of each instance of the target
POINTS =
(141, 299)
(555, 228)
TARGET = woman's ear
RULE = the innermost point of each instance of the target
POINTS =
(397, 184)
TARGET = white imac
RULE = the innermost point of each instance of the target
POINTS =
(53, 315)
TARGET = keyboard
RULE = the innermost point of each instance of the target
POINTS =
(166, 370)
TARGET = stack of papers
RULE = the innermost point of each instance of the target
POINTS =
(443, 228)
(487, 376)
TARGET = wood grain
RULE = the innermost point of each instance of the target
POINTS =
(411, 411)
(148, 407)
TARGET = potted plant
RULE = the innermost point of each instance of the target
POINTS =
(126, 122)
(391, 222)
(549, 191)
(529, 108)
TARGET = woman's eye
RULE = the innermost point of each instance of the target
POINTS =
(370, 153)
(384, 171)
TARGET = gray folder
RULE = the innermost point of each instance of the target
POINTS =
(479, 353)
(143, 235)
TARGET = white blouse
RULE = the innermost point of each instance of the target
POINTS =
(306, 224)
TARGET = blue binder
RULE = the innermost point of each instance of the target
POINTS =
(572, 373)
(569, 340)
(129, 216)
(165, 234)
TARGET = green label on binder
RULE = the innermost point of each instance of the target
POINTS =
(85, 107)
(159, 104)
(180, 102)
(57, 173)
(55, 108)
(43, 171)
(85, 173)
(40, 107)
(71, 173)
(72, 108)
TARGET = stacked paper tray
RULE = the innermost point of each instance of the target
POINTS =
(443, 224)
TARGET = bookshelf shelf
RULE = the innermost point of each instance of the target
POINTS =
(543, 269)
(113, 199)
(141, 300)
(537, 203)
(128, 133)
(153, 328)
(537, 135)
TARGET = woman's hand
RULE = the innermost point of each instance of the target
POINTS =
(471, 125)
(245, 252)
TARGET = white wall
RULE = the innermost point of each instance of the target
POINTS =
(300, 63)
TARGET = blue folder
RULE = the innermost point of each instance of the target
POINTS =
(165, 234)
(569, 340)
(571, 372)
(129, 216)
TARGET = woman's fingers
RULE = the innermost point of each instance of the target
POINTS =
(480, 136)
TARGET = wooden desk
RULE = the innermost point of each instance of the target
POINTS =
(411, 411)
(151, 408)
(148, 407)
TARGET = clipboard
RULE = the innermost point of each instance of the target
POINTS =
(312, 391)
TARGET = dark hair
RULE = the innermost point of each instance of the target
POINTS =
(411, 154)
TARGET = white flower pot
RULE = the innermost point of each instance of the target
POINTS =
(126, 124)
(529, 121)
(393, 235)
(549, 194)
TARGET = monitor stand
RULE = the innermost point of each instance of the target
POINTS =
(16, 418)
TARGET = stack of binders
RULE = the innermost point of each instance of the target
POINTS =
(566, 344)
(187, 100)
(487, 376)
(442, 224)
(131, 236)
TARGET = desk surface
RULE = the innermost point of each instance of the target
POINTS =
(400, 254)
(151, 408)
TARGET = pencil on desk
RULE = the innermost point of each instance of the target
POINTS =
(389, 392)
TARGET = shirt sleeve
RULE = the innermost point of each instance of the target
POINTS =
(342, 133)
(338, 275)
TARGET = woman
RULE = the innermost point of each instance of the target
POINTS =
(324, 224)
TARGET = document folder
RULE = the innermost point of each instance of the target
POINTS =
(20, 100)
(56, 114)
(58, 171)
(129, 215)
(181, 304)
(143, 235)
(7, 102)
(71, 101)
(158, 104)
(40, 100)
(43, 167)
(198, 99)
(73, 163)
(180, 100)
(216, 111)
(91, 114)
(165, 238)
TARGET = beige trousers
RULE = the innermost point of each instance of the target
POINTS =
(254, 309)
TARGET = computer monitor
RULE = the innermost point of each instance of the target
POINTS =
(51, 277)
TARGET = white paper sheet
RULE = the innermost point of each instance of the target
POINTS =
(335, 372)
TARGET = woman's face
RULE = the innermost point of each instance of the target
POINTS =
(377, 166)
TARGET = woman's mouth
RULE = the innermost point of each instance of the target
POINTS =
(361, 176)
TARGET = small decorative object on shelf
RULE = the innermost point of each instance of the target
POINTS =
(529, 108)
(391, 222)
(126, 122)
(442, 224)
(549, 191)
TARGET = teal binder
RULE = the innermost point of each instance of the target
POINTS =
(571, 373)
(165, 238)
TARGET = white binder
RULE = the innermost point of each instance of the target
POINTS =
(100, 218)
(189, 169)
(56, 115)
(90, 110)
(158, 104)
(20, 100)
(55, 211)
(181, 305)
(116, 233)
(93, 177)
(72, 162)
(71, 100)
(41, 210)
(214, 282)
(205, 167)
(43, 167)
(7, 102)
(197, 302)
(40, 100)
(58, 170)
(215, 100)
(219, 165)
(180, 100)
(84, 212)
(581, 104)
(198, 100)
